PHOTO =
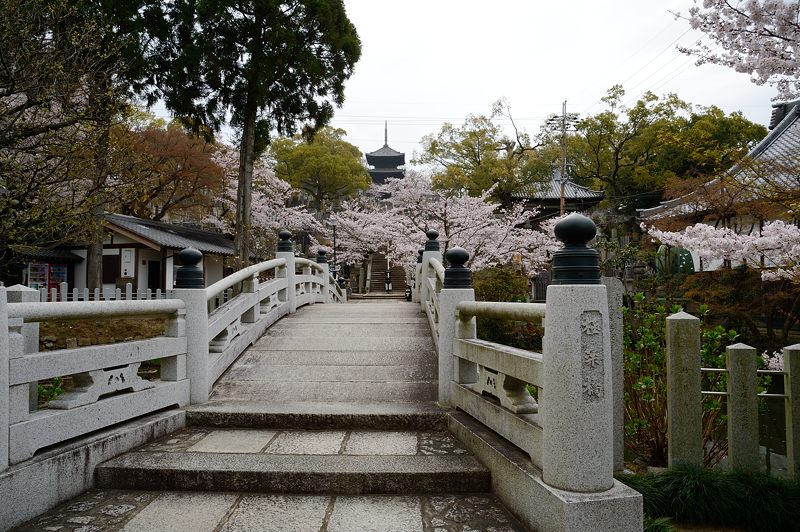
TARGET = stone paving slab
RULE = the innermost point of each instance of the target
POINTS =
(107, 510)
(234, 441)
(308, 442)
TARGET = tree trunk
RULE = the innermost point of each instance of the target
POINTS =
(94, 254)
(244, 192)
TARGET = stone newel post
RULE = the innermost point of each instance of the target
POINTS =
(431, 250)
(417, 277)
(577, 410)
(457, 287)
(286, 251)
(190, 287)
(322, 260)
(4, 369)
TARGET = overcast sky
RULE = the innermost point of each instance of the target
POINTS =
(426, 62)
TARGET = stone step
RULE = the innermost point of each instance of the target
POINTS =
(344, 391)
(256, 356)
(294, 461)
(317, 415)
(342, 343)
(145, 511)
(361, 320)
(388, 330)
(332, 372)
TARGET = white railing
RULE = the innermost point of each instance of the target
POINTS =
(206, 329)
(63, 294)
(98, 373)
(569, 436)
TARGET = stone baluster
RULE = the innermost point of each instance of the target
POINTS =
(742, 407)
(684, 396)
(285, 250)
(431, 250)
(322, 260)
(576, 409)
(189, 287)
(250, 286)
(457, 287)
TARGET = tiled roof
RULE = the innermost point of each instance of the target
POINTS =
(778, 153)
(172, 235)
(53, 255)
(385, 151)
(552, 190)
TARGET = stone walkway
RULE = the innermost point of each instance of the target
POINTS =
(326, 423)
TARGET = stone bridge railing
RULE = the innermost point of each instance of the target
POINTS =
(205, 331)
(573, 434)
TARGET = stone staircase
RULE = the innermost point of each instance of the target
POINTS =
(377, 279)
(326, 423)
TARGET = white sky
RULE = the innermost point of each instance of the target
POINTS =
(426, 62)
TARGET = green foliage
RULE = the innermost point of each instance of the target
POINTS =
(478, 155)
(645, 364)
(326, 168)
(699, 496)
(503, 283)
(50, 390)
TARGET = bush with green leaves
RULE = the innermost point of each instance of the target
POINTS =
(645, 363)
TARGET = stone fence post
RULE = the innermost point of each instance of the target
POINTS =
(322, 260)
(190, 287)
(684, 395)
(431, 250)
(286, 251)
(4, 380)
(615, 291)
(791, 365)
(30, 331)
(417, 277)
(457, 287)
(577, 411)
(742, 408)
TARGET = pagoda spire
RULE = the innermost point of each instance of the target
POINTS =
(385, 132)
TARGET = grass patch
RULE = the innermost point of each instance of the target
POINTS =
(699, 496)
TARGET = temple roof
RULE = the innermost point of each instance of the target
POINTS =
(552, 190)
(778, 151)
(385, 151)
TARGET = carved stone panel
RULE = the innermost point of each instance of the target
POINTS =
(224, 338)
(512, 393)
(88, 387)
(592, 368)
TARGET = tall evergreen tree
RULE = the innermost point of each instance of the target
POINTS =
(264, 66)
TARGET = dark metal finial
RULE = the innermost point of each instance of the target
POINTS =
(322, 256)
(432, 244)
(576, 263)
(457, 275)
(420, 251)
(285, 243)
(189, 275)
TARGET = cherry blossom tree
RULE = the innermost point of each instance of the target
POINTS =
(756, 37)
(272, 208)
(397, 214)
(775, 249)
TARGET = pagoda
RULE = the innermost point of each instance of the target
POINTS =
(385, 162)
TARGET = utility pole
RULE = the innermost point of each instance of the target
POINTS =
(563, 155)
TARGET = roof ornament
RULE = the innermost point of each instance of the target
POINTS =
(385, 132)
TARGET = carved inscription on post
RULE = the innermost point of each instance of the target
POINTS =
(592, 370)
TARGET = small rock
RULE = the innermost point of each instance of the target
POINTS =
(72, 343)
(84, 341)
(49, 338)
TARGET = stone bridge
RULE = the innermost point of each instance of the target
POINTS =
(285, 407)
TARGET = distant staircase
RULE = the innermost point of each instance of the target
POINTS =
(377, 279)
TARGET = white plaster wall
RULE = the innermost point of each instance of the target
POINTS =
(80, 270)
(212, 265)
